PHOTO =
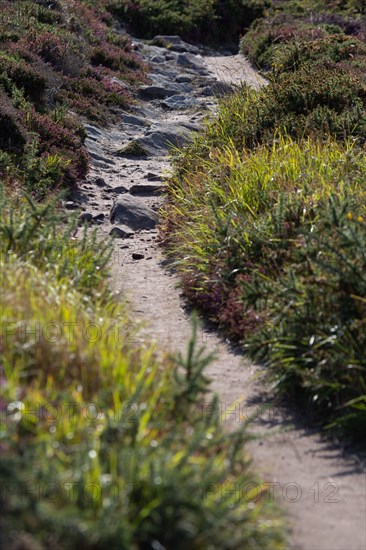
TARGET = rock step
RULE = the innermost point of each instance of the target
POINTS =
(121, 232)
(147, 189)
(134, 213)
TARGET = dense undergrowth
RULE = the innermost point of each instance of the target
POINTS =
(317, 30)
(209, 21)
(267, 214)
(105, 442)
(59, 61)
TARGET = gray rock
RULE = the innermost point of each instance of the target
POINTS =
(169, 83)
(147, 189)
(150, 50)
(175, 43)
(193, 126)
(148, 111)
(119, 190)
(100, 159)
(98, 219)
(171, 56)
(183, 78)
(185, 88)
(134, 120)
(85, 217)
(121, 232)
(161, 137)
(97, 134)
(157, 59)
(184, 47)
(165, 75)
(180, 102)
(190, 61)
(100, 182)
(71, 205)
(156, 92)
(203, 72)
(165, 81)
(133, 212)
(218, 89)
(137, 256)
(153, 177)
(92, 131)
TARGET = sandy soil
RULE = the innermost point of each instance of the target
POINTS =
(321, 488)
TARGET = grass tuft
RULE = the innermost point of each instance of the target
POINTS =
(133, 149)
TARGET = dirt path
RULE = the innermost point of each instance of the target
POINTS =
(322, 491)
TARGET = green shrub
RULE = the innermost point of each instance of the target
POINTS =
(197, 20)
(166, 16)
(268, 37)
(266, 214)
(314, 338)
(310, 33)
(24, 77)
(287, 48)
(309, 102)
(12, 133)
(329, 50)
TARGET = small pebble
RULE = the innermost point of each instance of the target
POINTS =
(86, 217)
(100, 182)
(70, 205)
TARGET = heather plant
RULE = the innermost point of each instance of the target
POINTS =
(63, 51)
(24, 77)
(316, 32)
(69, 55)
(312, 101)
(315, 56)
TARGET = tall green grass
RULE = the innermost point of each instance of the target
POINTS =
(104, 441)
(270, 243)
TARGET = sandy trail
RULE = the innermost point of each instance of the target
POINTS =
(322, 490)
